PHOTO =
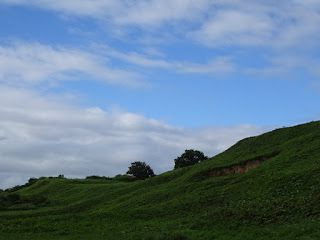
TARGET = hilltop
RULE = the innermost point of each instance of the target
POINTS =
(264, 187)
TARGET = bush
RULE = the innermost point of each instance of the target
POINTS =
(15, 201)
(32, 181)
(18, 187)
(140, 170)
(14, 198)
(188, 158)
(94, 177)
(124, 178)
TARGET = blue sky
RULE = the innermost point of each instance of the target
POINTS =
(148, 77)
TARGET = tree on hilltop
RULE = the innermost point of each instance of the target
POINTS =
(140, 170)
(188, 158)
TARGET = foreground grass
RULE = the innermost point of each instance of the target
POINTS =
(280, 199)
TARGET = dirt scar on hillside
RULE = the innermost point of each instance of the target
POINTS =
(241, 167)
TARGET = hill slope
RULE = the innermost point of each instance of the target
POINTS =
(265, 187)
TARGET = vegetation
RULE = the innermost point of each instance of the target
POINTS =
(278, 199)
(14, 201)
(18, 187)
(188, 158)
(94, 177)
(140, 170)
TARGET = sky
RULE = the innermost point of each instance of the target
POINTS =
(88, 86)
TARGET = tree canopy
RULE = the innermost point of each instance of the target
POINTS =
(188, 158)
(140, 170)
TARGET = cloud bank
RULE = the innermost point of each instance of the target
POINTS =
(47, 136)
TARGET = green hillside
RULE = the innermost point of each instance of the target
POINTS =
(265, 187)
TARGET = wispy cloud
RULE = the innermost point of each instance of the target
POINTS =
(33, 63)
(122, 12)
(287, 66)
(97, 8)
(156, 13)
(218, 65)
(49, 136)
(25, 63)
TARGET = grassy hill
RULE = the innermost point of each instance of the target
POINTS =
(264, 187)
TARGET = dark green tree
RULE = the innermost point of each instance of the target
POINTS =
(140, 170)
(188, 158)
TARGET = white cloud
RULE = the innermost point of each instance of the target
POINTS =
(214, 23)
(284, 65)
(266, 28)
(32, 63)
(257, 23)
(96, 8)
(24, 63)
(141, 12)
(218, 65)
(155, 12)
(234, 27)
(47, 136)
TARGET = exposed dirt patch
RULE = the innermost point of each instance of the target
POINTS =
(241, 167)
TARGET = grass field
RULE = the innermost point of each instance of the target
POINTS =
(279, 199)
